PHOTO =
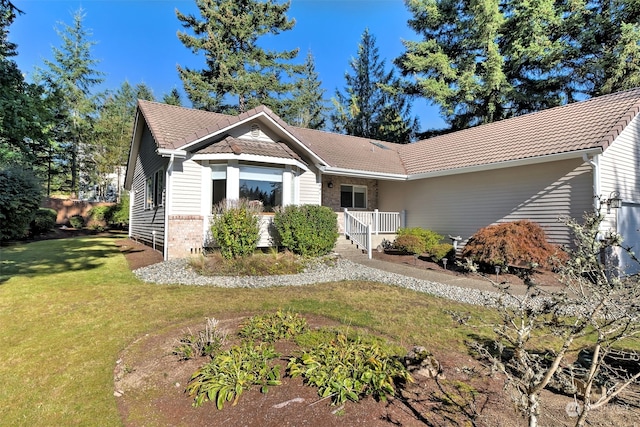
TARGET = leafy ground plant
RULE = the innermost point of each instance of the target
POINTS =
(232, 372)
(272, 327)
(206, 342)
(350, 367)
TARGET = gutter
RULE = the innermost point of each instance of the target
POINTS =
(166, 152)
(167, 205)
(595, 165)
(361, 174)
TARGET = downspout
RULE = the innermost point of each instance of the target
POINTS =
(167, 206)
(595, 165)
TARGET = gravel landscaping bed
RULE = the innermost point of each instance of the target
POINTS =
(179, 272)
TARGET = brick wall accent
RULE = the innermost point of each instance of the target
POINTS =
(66, 208)
(331, 196)
(185, 236)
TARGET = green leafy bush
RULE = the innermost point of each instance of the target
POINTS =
(232, 372)
(77, 221)
(101, 213)
(44, 221)
(273, 327)
(428, 237)
(409, 244)
(20, 194)
(235, 228)
(442, 250)
(349, 368)
(519, 243)
(120, 213)
(307, 230)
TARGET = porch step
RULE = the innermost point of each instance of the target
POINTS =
(346, 248)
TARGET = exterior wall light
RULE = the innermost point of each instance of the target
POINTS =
(614, 201)
(330, 184)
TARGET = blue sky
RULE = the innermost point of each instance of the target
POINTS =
(136, 39)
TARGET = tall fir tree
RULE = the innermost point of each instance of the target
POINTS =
(23, 116)
(239, 74)
(484, 60)
(308, 106)
(112, 130)
(372, 105)
(173, 97)
(70, 79)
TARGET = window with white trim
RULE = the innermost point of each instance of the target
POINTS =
(353, 196)
(154, 190)
(261, 185)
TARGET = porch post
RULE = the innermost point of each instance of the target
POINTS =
(403, 219)
(376, 221)
(369, 241)
(346, 226)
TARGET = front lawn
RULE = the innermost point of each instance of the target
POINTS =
(69, 307)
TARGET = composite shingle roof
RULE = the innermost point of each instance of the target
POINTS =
(230, 145)
(579, 126)
(585, 125)
(350, 152)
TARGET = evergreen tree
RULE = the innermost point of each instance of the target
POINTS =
(23, 118)
(373, 104)
(238, 73)
(308, 106)
(484, 60)
(70, 79)
(173, 98)
(112, 136)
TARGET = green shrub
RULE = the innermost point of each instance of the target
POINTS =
(409, 244)
(350, 367)
(232, 372)
(120, 213)
(273, 327)
(442, 250)
(429, 238)
(77, 221)
(307, 230)
(520, 243)
(44, 221)
(235, 228)
(20, 194)
(102, 213)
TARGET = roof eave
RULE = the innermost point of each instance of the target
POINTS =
(507, 164)
(250, 158)
(356, 173)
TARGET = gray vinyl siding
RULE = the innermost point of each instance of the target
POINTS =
(144, 221)
(186, 182)
(461, 204)
(309, 187)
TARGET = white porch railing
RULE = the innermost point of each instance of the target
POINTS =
(360, 225)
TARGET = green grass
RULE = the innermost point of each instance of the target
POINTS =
(68, 307)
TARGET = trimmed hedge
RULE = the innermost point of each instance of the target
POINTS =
(235, 228)
(307, 230)
(429, 238)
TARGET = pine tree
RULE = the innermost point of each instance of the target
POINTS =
(484, 60)
(23, 116)
(239, 74)
(173, 98)
(308, 106)
(373, 106)
(70, 79)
